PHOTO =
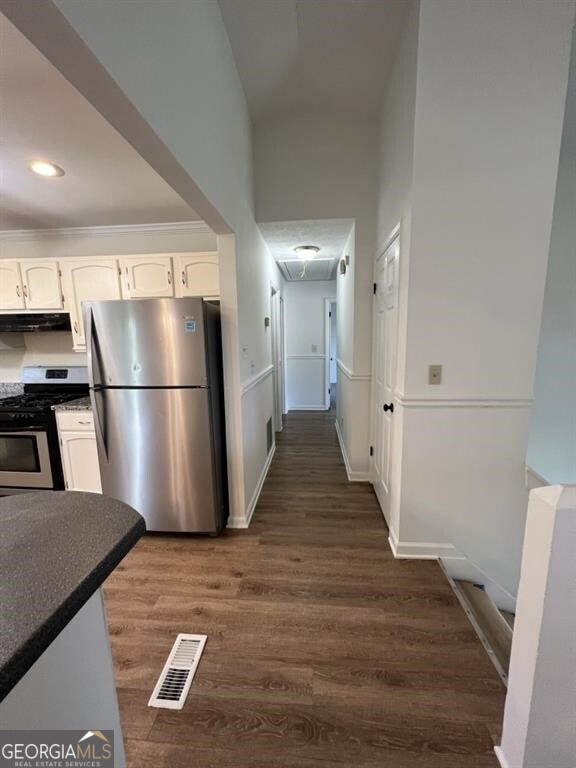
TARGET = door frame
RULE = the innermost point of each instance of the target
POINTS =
(277, 356)
(328, 301)
(393, 236)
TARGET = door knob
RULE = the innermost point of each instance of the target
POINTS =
(388, 407)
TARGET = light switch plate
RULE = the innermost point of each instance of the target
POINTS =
(434, 374)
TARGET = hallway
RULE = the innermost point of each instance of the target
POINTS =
(322, 649)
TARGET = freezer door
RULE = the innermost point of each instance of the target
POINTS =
(146, 343)
(155, 453)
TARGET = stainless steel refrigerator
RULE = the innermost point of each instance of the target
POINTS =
(155, 370)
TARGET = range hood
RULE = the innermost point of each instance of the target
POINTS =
(29, 323)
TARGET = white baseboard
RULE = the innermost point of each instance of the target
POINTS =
(417, 550)
(501, 759)
(461, 568)
(245, 521)
(353, 475)
(309, 408)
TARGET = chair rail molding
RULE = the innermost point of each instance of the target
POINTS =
(350, 374)
(417, 401)
(255, 380)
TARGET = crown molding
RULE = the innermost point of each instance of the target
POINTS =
(121, 230)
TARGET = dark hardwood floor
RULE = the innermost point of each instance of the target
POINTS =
(323, 651)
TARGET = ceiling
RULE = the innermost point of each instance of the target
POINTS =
(329, 235)
(43, 116)
(313, 55)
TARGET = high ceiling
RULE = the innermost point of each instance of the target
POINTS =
(313, 55)
(329, 235)
(43, 116)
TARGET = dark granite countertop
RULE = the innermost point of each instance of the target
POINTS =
(9, 389)
(56, 549)
(81, 404)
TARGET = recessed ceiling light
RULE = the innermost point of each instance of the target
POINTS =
(44, 168)
(306, 252)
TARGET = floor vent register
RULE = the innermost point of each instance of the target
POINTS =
(174, 683)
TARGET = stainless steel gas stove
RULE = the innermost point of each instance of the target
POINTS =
(29, 451)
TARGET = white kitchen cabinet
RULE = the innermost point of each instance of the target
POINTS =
(148, 276)
(41, 284)
(198, 274)
(11, 293)
(88, 280)
(79, 451)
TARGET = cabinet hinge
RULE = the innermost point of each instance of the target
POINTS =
(374, 288)
(59, 273)
(371, 450)
(120, 271)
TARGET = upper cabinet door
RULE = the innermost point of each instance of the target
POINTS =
(148, 276)
(198, 274)
(41, 284)
(89, 280)
(11, 293)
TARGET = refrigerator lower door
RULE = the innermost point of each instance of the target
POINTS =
(155, 452)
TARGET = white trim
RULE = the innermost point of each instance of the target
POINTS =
(417, 550)
(408, 401)
(350, 374)
(254, 380)
(306, 357)
(501, 758)
(245, 522)
(169, 228)
(390, 239)
(319, 407)
(353, 476)
(461, 568)
(533, 479)
(464, 602)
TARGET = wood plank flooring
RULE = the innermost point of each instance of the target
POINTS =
(323, 651)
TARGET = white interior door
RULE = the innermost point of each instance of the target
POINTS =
(277, 361)
(282, 357)
(384, 357)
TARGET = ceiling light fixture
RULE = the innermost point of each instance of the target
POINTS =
(306, 252)
(44, 168)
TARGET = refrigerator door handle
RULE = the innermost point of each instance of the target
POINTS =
(99, 420)
(93, 357)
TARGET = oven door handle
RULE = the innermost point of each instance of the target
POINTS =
(14, 430)
(100, 420)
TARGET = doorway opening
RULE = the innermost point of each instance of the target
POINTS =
(330, 353)
(277, 355)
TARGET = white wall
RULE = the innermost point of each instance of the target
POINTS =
(305, 322)
(479, 204)
(50, 348)
(322, 167)
(178, 71)
(56, 348)
(552, 444)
